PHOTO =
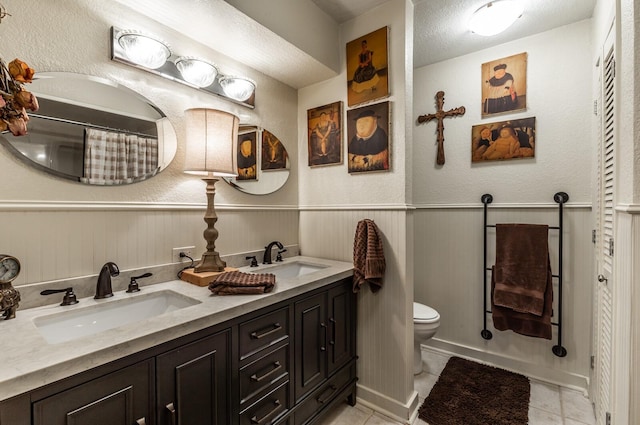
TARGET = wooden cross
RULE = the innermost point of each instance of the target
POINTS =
(440, 115)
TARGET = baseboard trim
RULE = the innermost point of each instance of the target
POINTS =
(534, 371)
(393, 409)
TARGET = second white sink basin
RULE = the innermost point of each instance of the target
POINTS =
(109, 314)
(293, 269)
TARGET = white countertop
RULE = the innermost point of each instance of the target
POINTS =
(29, 362)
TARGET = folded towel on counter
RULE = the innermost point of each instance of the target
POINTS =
(521, 268)
(237, 283)
(368, 256)
(523, 323)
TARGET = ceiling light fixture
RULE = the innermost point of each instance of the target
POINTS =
(495, 17)
(143, 49)
(238, 88)
(196, 71)
(149, 53)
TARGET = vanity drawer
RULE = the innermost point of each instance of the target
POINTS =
(263, 331)
(321, 397)
(268, 409)
(257, 376)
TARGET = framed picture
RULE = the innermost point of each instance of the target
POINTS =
(274, 155)
(324, 128)
(504, 140)
(504, 85)
(368, 133)
(247, 156)
(368, 67)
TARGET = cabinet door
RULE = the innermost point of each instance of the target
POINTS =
(124, 397)
(341, 346)
(310, 343)
(193, 383)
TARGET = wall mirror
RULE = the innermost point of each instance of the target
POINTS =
(94, 131)
(263, 161)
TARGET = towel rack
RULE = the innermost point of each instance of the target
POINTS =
(560, 198)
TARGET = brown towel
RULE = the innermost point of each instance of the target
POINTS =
(524, 323)
(237, 283)
(522, 262)
(521, 287)
(368, 256)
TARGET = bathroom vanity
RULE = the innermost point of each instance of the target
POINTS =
(278, 358)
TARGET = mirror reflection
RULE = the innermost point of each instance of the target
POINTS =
(263, 162)
(94, 131)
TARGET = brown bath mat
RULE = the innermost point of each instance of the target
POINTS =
(469, 393)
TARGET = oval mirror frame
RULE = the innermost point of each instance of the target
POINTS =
(78, 114)
(263, 162)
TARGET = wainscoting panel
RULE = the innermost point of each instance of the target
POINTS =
(71, 242)
(385, 318)
(448, 277)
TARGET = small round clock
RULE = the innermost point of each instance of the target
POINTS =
(9, 268)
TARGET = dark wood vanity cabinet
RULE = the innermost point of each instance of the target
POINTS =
(124, 397)
(284, 364)
(193, 382)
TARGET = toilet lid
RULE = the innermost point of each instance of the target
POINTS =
(424, 314)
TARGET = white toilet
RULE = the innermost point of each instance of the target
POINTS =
(426, 322)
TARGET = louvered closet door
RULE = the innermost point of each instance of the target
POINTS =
(602, 390)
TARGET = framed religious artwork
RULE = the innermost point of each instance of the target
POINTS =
(274, 155)
(324, 129)
(368, 67)
(369, 146)
(504, 140)
(247, 156)
(504, 85)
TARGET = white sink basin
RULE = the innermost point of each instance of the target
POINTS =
(293, 269)
(108, 314)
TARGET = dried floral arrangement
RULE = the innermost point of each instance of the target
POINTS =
(14, 99)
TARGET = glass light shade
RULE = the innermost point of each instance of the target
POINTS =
(143, 49)
(212, 142)
(238, 88)
(196, 71)
(495, 17)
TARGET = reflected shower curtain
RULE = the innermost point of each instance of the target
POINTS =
(116, 158)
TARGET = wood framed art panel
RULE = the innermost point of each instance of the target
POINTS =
(247, 155)
(274, 155)
(504, 85)
(503, 140)
(324, 129)
(368, 133)
(368, 67)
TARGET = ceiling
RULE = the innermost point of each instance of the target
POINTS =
(440, 26)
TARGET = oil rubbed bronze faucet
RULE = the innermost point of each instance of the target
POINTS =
(103, 288)
(267, 251)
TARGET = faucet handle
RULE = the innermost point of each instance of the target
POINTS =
(254, 261)
(69, 296)
(279, 256)
(133, 284)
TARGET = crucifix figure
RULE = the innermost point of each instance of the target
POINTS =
(440, 115)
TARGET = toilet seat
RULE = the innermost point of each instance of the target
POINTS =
(424, 314)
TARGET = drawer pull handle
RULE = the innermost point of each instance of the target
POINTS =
(171, 408)
(331, 390)
(266, 331)
(266, 417)
(323, 346)
(141, 421)
(277, 367)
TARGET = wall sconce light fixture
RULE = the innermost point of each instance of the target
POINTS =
(211, 150)
(495, 17)
(151, 54)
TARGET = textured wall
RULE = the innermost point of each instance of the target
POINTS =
(62, 229)
(558, 96)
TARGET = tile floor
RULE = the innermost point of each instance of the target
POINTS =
(549, 404)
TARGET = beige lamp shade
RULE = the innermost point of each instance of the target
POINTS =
(211, 143)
